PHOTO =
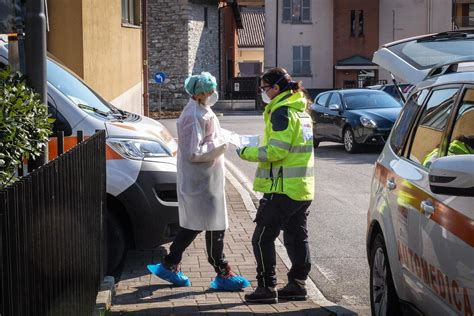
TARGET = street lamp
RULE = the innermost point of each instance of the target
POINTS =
(35, 60)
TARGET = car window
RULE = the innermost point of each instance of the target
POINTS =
(369, 100)
(407, 117)
(60, 123)
(425, 54)
(322, 99)
(430, 128)
(461, 141)
(335, 99)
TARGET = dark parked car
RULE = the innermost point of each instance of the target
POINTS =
(354, 117)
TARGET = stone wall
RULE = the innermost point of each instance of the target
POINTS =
(179, 44)
(168, 50)
(203, 54)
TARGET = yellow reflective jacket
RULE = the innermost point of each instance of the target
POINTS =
(285, 157)
(456, 147)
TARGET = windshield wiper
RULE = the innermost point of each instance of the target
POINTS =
(93, 109)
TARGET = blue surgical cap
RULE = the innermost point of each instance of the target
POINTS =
(203, 83)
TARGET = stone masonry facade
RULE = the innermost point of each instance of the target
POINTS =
(180, 44)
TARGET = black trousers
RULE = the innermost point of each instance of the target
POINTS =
(214, 246)
(279, 212)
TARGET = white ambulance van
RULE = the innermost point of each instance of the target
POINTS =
(142, 208)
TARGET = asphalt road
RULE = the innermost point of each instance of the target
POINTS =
(337, 221)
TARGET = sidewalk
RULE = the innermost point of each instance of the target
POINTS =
(139, 293)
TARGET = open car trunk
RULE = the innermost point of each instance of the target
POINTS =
(412, 59)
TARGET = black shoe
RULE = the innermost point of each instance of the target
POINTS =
(262, 295)
(293, 291)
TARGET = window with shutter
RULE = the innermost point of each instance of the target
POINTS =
(131, 12)
(306, 11)
(302, 60)
(357, 23)
(286, 11)
(296, 11)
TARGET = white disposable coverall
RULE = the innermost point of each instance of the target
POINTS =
(201, 173)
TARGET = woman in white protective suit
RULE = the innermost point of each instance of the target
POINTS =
(200, 185)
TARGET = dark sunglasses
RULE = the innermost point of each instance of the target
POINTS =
(265, 88)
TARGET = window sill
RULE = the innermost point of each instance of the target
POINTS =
(131, 26)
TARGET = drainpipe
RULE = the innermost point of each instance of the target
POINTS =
(429, 17)
(453, 19)
(146, 109)
(276, 33)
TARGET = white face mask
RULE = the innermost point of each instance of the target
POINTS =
(212, 99)
(265, 98)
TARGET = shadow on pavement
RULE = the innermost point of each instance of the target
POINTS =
(138, 258)
(215, 310)
(337, 153)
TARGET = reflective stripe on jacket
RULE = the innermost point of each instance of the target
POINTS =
(286, 158)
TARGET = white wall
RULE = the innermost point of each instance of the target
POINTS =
(318, 35)
(131, 100)
(412, 18)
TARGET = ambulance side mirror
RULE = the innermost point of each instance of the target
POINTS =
(453, 175)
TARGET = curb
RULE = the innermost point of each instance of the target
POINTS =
(243, 186)
(104, 298)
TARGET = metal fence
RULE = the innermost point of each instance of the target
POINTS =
(243, 88)
(51, 234)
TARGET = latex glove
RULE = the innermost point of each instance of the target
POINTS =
(240, 151)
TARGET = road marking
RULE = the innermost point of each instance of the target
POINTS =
(328, 274)
(248, 196)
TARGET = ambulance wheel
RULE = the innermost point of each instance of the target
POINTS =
(383, 295)
(116, 243)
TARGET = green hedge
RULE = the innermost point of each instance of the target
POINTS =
(24, 124)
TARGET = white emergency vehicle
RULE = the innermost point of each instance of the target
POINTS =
(142, 208)
(420, 233)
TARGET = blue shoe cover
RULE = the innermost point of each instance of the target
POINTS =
(177, 278)
(233, 283)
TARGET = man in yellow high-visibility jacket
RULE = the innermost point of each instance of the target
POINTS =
(460, 146)
(285, 176)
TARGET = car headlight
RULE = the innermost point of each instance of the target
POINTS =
(368, 122)
(138, 149)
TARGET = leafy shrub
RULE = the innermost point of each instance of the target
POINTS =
(24, 124)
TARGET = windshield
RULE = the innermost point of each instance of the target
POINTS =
(375, 100)
(427, 54)
(76, 90)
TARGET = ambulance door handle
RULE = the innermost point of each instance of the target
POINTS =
(427, 207)
(391, 185)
